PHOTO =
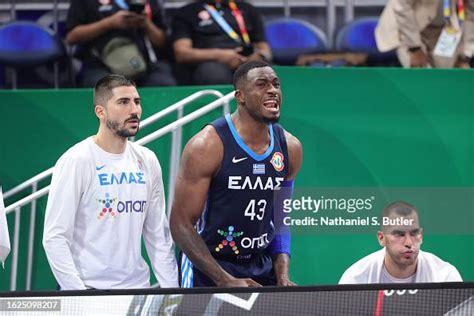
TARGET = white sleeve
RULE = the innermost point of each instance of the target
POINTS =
(4, 236)
(453, 275)
(157, 236)
(346, 278)
(63, 201)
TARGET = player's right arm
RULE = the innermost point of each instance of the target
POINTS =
(63, 200)
(200, 161)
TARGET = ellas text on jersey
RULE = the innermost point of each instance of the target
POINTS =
(258, 183)
(121, 178)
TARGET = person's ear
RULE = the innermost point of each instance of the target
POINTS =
(381, 238)
(239, 97)
(99, 111)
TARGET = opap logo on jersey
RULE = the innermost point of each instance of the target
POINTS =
(229, 239)
(107, 206)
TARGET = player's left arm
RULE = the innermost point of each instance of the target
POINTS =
(156, 232)
(281, 260)
(295, 155)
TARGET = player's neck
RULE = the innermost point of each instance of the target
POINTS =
(397, 271)
(254, 134)
(109, 141)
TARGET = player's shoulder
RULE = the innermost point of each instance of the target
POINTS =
(144, 153)
(295, 153)
(358, 272)
(205, 141)
(292, 141)
(441, 271)
(204, 152)
(141, 150)
(435, 262)
(79, 151)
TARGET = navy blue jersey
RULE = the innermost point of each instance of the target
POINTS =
(237, 222)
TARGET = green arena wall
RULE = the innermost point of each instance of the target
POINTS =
(373, 134)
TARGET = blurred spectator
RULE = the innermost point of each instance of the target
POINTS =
(414, 27)
(212, 38)
(119, 37)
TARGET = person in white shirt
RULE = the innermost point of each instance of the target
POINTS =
(4, 236)
(106, 193)
(400, 260)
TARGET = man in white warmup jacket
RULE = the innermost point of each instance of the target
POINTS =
(106, 193)
(4, 236)
(401, 260)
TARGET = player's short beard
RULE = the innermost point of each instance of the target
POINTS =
(263, 119)
(122, 132)
(399, 262)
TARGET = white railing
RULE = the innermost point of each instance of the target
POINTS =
(175, 128)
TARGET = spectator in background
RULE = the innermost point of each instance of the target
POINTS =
(400, 260)
(213, 38)
(119, 37)
(414, 28)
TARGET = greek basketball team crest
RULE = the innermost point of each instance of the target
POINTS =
(277, 161)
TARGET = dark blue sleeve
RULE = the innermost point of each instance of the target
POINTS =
(281, 243)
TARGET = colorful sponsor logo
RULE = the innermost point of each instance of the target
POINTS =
(229, 239)
(277, 161)
(107, 206)
(121, 207)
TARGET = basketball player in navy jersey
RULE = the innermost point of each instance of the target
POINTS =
(232, 180)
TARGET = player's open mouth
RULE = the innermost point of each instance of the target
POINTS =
(273, 105)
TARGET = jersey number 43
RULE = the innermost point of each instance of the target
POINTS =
(256, 209)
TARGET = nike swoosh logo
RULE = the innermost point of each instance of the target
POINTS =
(99, 167)
(235, 160)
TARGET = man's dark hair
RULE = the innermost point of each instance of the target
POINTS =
(241, 72)
(103, 87)
(400, 208)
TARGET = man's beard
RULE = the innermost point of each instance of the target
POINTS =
(404, 263)
(263, 119)
(122, 132)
